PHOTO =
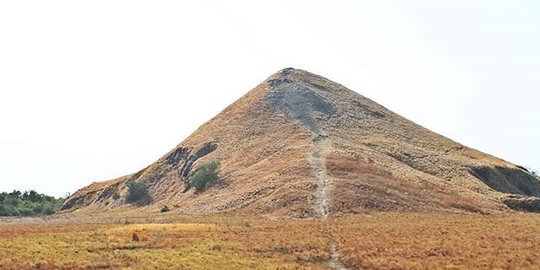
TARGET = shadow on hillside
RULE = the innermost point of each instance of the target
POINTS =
(508, 180)
(522, 187)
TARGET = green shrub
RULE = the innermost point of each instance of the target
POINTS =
(137, 191)
(206, 174)
(164, 209)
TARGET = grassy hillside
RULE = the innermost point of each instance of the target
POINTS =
(300, 145)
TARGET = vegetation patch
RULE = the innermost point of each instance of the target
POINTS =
(164, 209)
(137, 192)
(206, 174)
(29, 203)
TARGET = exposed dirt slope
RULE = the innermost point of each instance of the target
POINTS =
(268, 142)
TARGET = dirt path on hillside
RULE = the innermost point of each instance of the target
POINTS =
(323, 194)
(324, 183)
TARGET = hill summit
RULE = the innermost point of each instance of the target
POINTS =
(300, 145)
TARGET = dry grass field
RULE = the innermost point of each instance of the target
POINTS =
(365, 241)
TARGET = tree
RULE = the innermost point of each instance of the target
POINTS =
(32, 196)
(137, 191)
(206, 174)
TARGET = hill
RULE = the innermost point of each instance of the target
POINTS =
(300, 145)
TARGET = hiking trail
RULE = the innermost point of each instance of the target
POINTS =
(323, 194)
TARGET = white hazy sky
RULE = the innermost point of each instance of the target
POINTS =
(92, 90)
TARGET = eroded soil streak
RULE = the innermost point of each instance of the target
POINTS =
(323, 194)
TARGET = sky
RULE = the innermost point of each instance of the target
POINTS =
(93, 90)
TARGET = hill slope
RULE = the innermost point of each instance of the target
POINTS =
(301, 145)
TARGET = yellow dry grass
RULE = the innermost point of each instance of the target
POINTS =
(438, 241)
(186, 227)
(365, 241)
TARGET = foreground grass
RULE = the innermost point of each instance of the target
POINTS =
(168, 241)
(180, 243)
(423, 241)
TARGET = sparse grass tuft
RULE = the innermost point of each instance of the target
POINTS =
(138, 237)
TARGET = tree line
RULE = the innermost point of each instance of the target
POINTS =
(28, 203)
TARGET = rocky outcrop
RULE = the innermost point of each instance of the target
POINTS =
(177, 165)
(523, 203)
(508, 180)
